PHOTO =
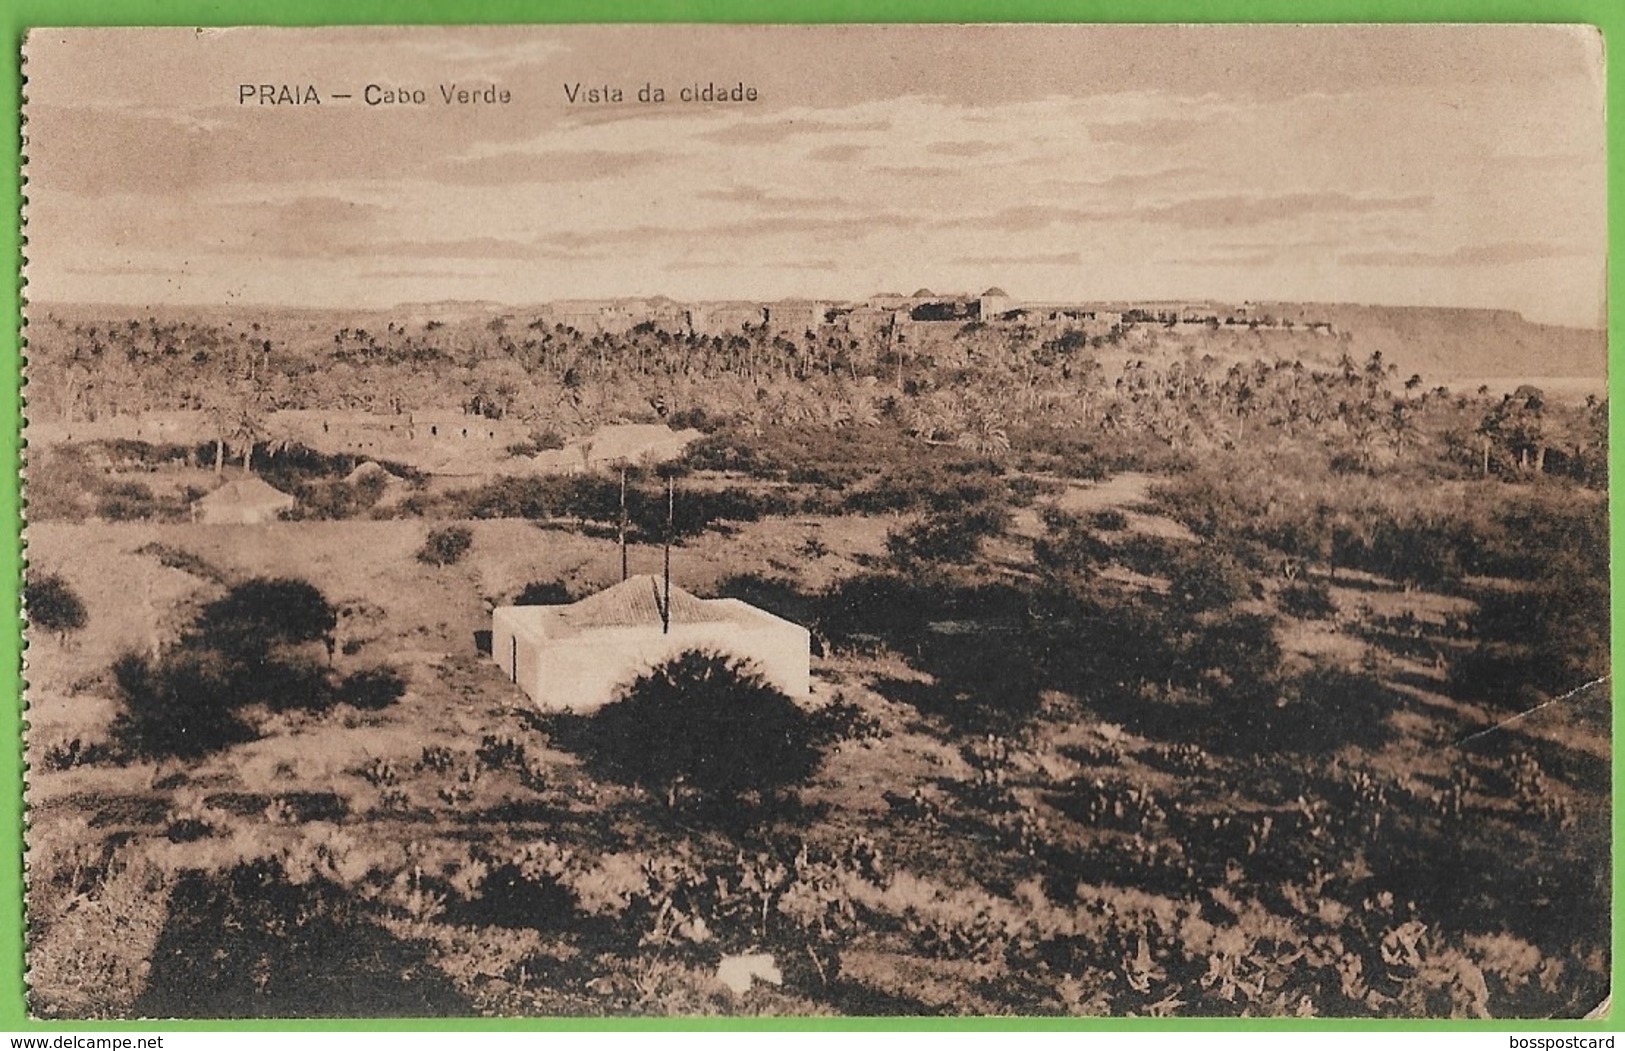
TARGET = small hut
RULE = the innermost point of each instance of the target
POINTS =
(242, 501)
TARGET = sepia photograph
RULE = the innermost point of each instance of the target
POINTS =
(817, 521)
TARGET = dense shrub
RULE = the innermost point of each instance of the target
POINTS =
(944, 483)
(708, 722)
(262, 614)
(181, 706)
(948, 536)
(446, 546)
(258, 941)
(1548, 637)
(543, 593)
(53, 605)
(1110, 520)
(128, 502)
(246, 648)
(1310, 600)
(284, 683)
(1203, 578)
(873, 608)
(519, 894)
(371, 688)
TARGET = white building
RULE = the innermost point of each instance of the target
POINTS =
(578, 657)
(994, 302)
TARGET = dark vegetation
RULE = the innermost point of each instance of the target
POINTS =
(1245, 748)
(706, 723)
(52, 605)
(446, 546)
(299, 949)
(258, 648)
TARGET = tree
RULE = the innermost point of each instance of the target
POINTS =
(241, 650)
(709, 722)
(258, 616)
(183, 706)
(1401, 426)
(444, 547)
(53, 605)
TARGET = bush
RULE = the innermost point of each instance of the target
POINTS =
(128, 502)
(543, 593)
(181, 707)
(238, 652)
(257, 941)
(446, 546)
(953, 537)
(259, 615)
(1310, 600)
(371, 689)
(53, 605)
(709, 722)
(283, 685)
(1110, 520)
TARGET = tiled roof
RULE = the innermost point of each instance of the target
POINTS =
(636, 602)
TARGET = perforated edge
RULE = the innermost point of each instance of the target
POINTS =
(19, 581)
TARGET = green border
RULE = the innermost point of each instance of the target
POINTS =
(17, 17)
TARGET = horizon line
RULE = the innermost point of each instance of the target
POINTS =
(1601, 325)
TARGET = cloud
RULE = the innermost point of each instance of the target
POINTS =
(180, 269)
(815, 228)
(1024, 218)
(471, 248)
(760, 133)
(1155, 131)
(103, 150)
(485, 55)
(1501, 253)
(767, 200)
(1035, 259)
(912, 171)
(552, 166)
(1259, 257)
(303, 226)
(1193, 213)
(969, 148)
(1144, 180)
(1236, 210)
(434, 274)
(734, 264)
(838, 153)
(325, 212)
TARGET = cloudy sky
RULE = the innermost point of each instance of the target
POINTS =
(1408, 165)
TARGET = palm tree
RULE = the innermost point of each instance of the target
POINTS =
(1401, 426)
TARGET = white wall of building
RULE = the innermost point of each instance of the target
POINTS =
(582, 672)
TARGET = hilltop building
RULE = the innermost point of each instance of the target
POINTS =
(994, 302)
(725, 319)
(796, 316)
(576, 657)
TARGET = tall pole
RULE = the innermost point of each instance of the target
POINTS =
(665, 612)
(623, 521)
